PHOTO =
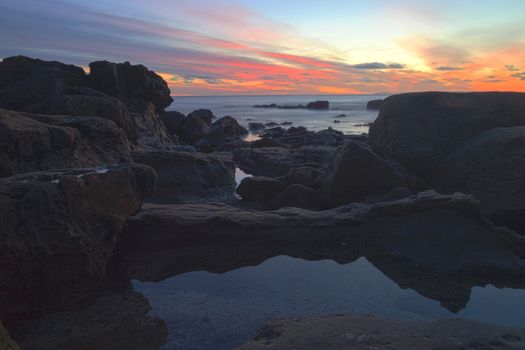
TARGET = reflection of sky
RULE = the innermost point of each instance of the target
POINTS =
(227, 308)
(283, 47)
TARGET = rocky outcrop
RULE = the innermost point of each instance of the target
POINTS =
(300, 136)
(34, 142)
(150, 130)
(6, 343)
(357, 173)
(256, 127)
(116, 321)
(224, 130)
(374, 105)
(130, 83)
(173, 121)
(57, 232)
(190, 177)
(422, 129)
(368, 332)
(318, 105)
(196, 125)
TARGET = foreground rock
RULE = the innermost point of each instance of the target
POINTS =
(190, 177)
(117, 321)
(34, 142)
(57, 232)
(6, 343)
(224, 130)
(361, 332)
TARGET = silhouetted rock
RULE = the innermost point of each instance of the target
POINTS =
(190, 177)
(260, 189)
(173, 121)
(129, 83)
(304, 175)
(273, 132)
(300, 136)
(265, 142)
(356, 173)
(32, 142)
(57, 232)
(374, 105)
(368, 332)
(224, 130)
(319, 105)
(297, 196)
(196, 125)
(256, 127)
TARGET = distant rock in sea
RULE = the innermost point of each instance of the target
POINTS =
(316, 105)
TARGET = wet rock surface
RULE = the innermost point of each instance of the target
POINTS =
(362, 332)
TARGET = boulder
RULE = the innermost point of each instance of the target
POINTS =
(224, 130)
(319, 105)
(304, 175)
(190, 177)
(374, 105)
(25, 81)
(33, 142)
(130, 83)
(173, 121)
(57, 233)
(368, 332)
(265, 142)
(492, 167)
(356, 173)
(204, 114)
(256, 127)
(422, 129)
(6, 343)
(298, 196)
(260, 189)
(196, 125)
(150, 130)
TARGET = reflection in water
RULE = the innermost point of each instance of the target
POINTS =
(219, 311)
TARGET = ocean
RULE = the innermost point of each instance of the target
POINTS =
(347, 113)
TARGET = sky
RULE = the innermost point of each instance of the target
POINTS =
(228, 47)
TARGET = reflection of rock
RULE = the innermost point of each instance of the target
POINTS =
(419, 242)
(6, 343)
(366, 332)
(57, 232)
(184, 176)
(118, 321)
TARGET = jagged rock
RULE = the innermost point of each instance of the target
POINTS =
(150, 130)
(117, 321)
(57, 232)
(190, 177)
(356, 173)
(32, 142)
(297, 196)
(173, 121)
(6, 343)
(25, 81)
(260, 189)
(129, 83)
(224, 130)
(422, 129)
(88, 106)
(374, 105)
(319, 105)
(368, 332)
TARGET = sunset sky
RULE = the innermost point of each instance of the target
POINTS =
(223, 47)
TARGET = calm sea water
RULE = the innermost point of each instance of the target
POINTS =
(208, 311)
(241, 108)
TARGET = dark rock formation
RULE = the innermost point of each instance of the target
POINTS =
(173, 121)
(300, 136)
(374, 105)
(204, 114)
(190, 177)
(304, 175)
(260, 189)
(6, 343)
(117, 321)
(224, 130)
(319, 105)
(368, 332)
(57, 232)
(32, 142)
(356, 173)
(265, 142)
(130, 83)
(256, 127)
(150, 130)
(196, 125)
(297, 196)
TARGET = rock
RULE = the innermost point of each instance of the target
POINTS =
(129, 83)
(286, 123)
(273, 105)
(273, 132)
(88, 106)
(260, 189)
(190, 177)
(116, 321)
(6, 343)
(298, 196)
(25, 81)
(369, 332)
(374, 105)
(397, 193)
(265, 142)
(33, 142)
(296, 130)
(256, 127)
(271, 124)
(173, 121)
(356, 173)
(57, 233)
(223, 130)
(422, 129)
(492, 167)
(304, 175)
(319, 105)
(196, 125)
(150, 130)
(297, 137)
